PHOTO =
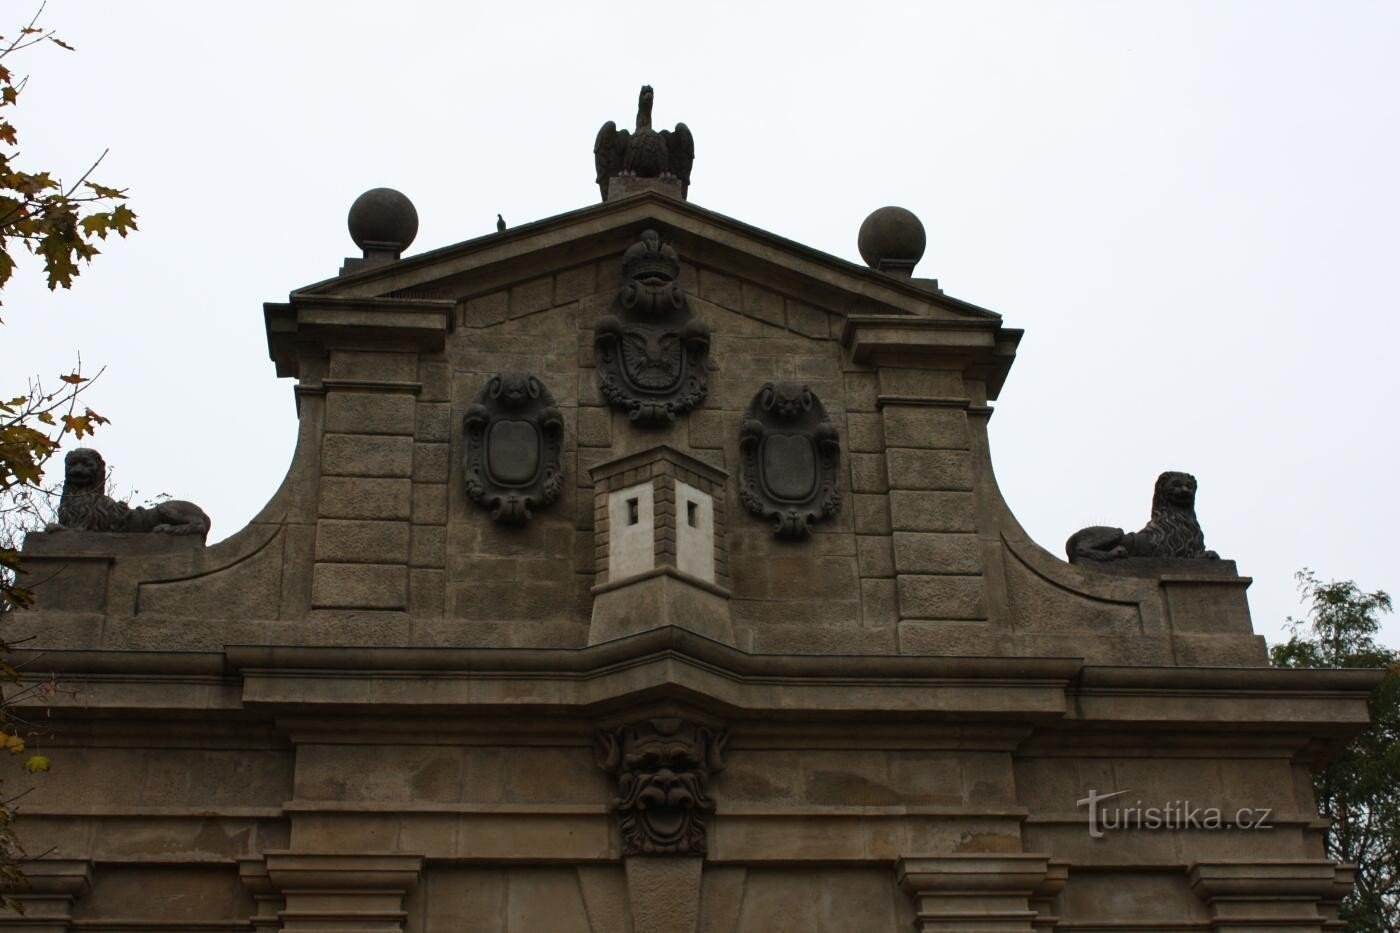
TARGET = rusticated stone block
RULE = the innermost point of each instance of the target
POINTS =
(430, 463)
(926, 426)
(366, 455)
(865, 433)
(922, 383)
(429, 503)
(427, 590)
(807, 320)
(868, 473)
(762, 304)
(573, 284)
(364, 497)
(941, 597)
(532, 296)
(427, 546)
(875, 556)
(872, 514)
(932, 511)
(485, 310)
(361, 542)
(595, 427)
(374, 365)
(369, 412)
(911, 468)
(720, 288)
(434, 423)
(879, 603)
(359, 586)
(436, 379)
(706, 430)
(926, 552)
(862, 392)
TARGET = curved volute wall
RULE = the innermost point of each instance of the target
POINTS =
(373, 537)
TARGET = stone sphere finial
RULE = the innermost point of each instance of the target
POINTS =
(383, 220)
(892, 240)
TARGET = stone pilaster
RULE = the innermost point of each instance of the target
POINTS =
(342, 893)
(379, 473)
(54, 886)
(973, 893)
(1274, 896)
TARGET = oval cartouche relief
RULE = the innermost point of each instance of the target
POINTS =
(789, 455)
(513, 450)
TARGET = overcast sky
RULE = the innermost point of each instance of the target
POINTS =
(1192, 209)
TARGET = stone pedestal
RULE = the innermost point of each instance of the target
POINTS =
(620, 186)
(1274, 896)
(54, 886)
(967, 893)
(68, 570)
(343, 893)
(659, 523)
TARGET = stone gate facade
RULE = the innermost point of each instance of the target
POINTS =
(640, 570)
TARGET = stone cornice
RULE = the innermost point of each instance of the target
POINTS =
(671, 665)
(321, 320)
(981, 346)
(713, 234)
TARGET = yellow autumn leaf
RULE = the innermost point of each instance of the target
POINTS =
(36, 763)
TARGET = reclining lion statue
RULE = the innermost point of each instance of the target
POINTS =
(85, 507)
(1171, 532)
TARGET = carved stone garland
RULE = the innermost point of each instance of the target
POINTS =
(789, 454)
(662, 768)
(514, 445)
(649, 351)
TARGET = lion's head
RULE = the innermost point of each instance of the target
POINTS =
(1174, 492)
(84, 470)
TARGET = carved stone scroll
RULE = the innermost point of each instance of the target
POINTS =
(789, 454)
(514, 447)
(662, 768)
(650, 352)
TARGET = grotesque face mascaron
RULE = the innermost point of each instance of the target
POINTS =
(663, 767)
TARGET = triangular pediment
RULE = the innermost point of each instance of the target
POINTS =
(704, 239)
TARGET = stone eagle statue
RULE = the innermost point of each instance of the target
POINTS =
(645, 153)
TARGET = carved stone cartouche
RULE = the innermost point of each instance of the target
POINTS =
(514, 441)
(663, 769)
(789, 454)
(1172, 532)
(85, 507)
(650, 353)
(645, 153)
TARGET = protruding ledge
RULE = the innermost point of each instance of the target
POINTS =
(321, 320)
(982, 345)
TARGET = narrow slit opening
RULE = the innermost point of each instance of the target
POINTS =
(692, 514)
(632, 515)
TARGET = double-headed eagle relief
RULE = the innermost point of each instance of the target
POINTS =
(645, 153)
(650, 353)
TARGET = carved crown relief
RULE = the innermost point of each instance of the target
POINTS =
(514, 440)
(662, 768)
(649, 351)
(789, 454)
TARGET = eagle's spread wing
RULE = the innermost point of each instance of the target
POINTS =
(680, 154)
(608, 150)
